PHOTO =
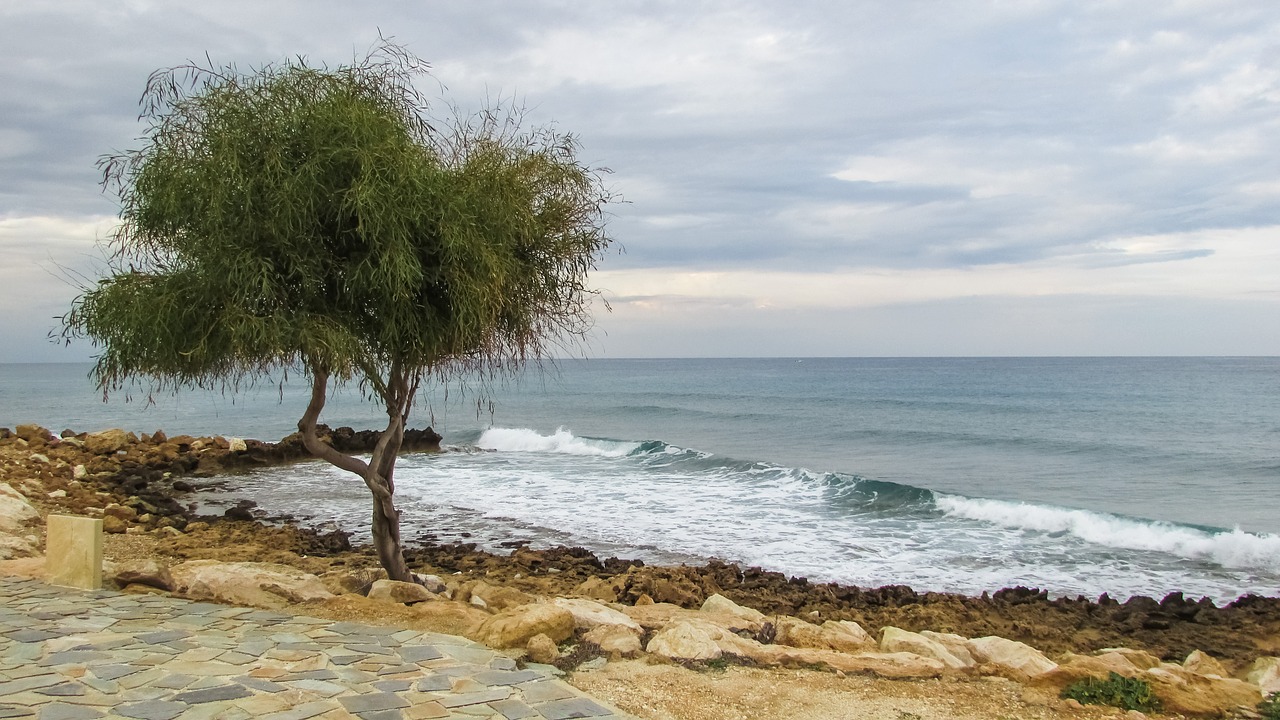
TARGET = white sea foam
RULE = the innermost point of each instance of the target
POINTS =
(1232, 549)
(562, 442)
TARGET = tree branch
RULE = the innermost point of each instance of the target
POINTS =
(307, 426)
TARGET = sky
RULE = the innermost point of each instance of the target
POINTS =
(849, 178)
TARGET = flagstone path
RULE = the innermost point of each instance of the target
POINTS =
(70, 654)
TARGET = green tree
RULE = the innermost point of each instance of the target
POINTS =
(301, 217)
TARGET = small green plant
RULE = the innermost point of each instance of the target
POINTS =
(1269, 708)
(1116, 691)
(904, 715)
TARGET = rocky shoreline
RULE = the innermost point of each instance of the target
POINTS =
(1201, 659)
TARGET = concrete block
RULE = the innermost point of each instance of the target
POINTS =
(73, 551)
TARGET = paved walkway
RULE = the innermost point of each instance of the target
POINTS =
(69, 654)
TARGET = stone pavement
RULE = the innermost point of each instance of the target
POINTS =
(69, 654)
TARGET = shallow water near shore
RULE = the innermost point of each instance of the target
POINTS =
(1080, 476)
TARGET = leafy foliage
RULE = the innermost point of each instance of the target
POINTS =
(1116, 691)
(302, 215)
(1269, 708)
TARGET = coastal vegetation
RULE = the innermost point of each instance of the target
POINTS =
(305, 218)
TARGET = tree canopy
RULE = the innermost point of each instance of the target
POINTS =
(316, 218)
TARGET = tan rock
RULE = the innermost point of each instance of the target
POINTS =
(265, 585)
(889, 665)
(399, 592)
(32, 433)
(1074, 668)
(1204, 664)
(145, 571)
(588, 614)
(957, 645)
(794, 632)
(495, 597)
(846, 636)
(896, 640)
(683, 640)
(15, 511)
(1141, 659)
(114, 525)
(452, 618)
(1182, 691)
(601, 589)
(721, 605)
(107, 442)
(514, 627)
(615, 640)
(542, 649)
(124, 512)
(13, 547)
(355, 580)
(1009, 658)
(1265, 673)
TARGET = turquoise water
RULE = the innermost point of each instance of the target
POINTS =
(1078, 475)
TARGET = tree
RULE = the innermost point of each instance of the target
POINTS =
(296, 217)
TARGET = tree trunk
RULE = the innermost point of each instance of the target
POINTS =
(377, 473)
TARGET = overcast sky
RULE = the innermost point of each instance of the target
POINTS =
(805, 178)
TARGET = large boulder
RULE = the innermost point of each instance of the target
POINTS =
(493, 597)
(1204, 664)
(1074, 668)
(1009, 658)
(142, 572)
(846, 636)
(264, 585)
(399, 592)
(13, 547)
(106, 442)
(614, 640)
(684, 640)
(1265, 673)
(721, 605)
(15, 511)
(1187, 693)
(513, 628)
(895, 640)
(588, 614)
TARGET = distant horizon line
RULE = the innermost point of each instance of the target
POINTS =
(815, 357)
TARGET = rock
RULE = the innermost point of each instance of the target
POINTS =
(721, 605)
(542, 649)
(264, 585)
(894, 640)
(478, 602)
(495, 597)
(453, 618)
(107, 442)
(432, 583)
(40, 458)
(1182, 691)
(142, 572)
(1204, 664)
(13, 546)
(32, 433)
(616, 641)
(600, 589)
(15, 511)
(354, 581)
(890, 665)
(644, 599)
(1265, 673)
(957, 645)
(236, 445)
(682, 640)
(1010, 658)
(79, 472)
(1141, 659)
(399, 592)
(58, 494)
(114, 525)
(513, 628)
(1074, 668)
(588, 614)
(124, 512)
(846, 636)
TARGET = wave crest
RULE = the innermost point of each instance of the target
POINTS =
(1232, 549)
(561, 441)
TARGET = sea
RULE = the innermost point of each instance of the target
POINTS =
(1078, 476)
